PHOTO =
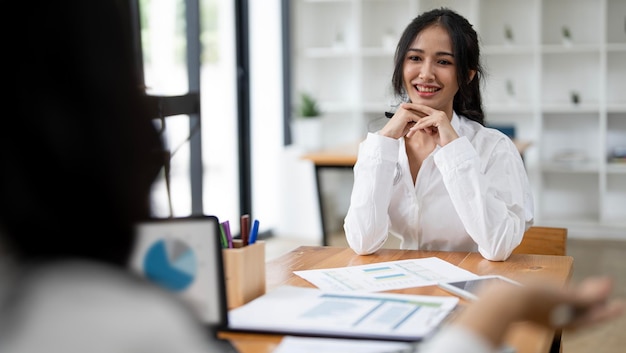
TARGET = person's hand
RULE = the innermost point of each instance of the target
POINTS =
(542, 303)
(412, 118)
(432, 122)
(400, 123)
(583, 305)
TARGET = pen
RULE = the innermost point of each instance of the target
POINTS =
(245, 229)
(223, 237)
(229, 236)
(254, 232)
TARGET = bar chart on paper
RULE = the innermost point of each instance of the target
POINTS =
(385, 275)
(298, 310)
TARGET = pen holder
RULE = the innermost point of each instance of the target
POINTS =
(244, 271)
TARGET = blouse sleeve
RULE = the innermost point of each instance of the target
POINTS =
(366, 223)
(490, 193)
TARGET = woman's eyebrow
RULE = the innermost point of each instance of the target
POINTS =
(439, 53)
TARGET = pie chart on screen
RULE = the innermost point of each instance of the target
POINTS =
(171, 263)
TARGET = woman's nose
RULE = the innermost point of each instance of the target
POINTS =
(426, 71)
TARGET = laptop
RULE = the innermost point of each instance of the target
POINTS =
(184, 255)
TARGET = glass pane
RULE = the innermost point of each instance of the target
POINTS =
(163, 30)
(164, 46)
(165, 70)
(219, 111)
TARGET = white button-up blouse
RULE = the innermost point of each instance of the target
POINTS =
(471, 195)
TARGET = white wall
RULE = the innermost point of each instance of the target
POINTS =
(283, 186)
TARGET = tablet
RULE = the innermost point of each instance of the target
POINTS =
(468, 289)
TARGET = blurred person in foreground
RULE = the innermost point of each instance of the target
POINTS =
(79, 155)
(482, 325)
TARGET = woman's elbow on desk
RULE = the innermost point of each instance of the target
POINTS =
(494, 257)
(361, 247)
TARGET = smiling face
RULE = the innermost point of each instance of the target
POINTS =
(429, 70)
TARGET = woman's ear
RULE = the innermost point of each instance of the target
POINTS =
(472, 73)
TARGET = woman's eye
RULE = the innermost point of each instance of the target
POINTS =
(414, 58)
(444, 62)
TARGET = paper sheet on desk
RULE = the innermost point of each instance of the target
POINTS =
(310, 311)
(384, 276)
(291, 344)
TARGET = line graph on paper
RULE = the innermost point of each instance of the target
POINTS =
(385, 275)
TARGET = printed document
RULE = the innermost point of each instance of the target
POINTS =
(310, 311)
(292, 344)
(385, 276)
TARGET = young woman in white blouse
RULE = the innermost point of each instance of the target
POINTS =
(434, 175)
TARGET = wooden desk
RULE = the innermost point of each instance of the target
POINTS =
(344, 157)
(526, 338)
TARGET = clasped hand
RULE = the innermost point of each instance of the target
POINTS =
(412, 118)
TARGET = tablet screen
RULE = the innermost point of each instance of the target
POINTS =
(469, 288)
(474, 285)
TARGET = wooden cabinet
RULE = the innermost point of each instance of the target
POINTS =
(556, 71)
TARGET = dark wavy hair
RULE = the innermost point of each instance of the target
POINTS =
(467, 101)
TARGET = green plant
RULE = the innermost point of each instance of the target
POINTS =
(308, 107)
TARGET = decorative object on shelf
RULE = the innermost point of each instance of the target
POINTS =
(306, 126)
(508, 34)
(567, 36)
(575, 97)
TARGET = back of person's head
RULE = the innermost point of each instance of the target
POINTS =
(79, 151)
(467, 101)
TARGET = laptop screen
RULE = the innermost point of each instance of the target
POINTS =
(184, 255)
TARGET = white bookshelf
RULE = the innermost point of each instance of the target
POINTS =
(343, 53)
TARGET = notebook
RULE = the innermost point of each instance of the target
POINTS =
(184, 255)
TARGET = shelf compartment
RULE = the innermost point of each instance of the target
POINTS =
(497, 17)
(337, 31)
(562, 77)
(523, 124)
(616, 79)
(510, 81)
(314, 79)
(616, 136)
(570, 196)
(577, 16)
(376, 80)
(383, 21)
(463, 7)
(571, 141)
(616, 21)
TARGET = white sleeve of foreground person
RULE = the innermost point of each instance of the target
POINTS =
(455, 339)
